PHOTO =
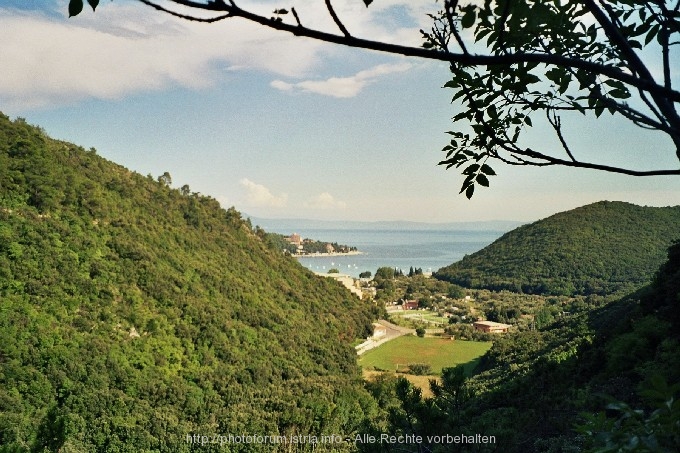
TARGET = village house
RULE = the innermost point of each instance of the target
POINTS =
(410, 305)
(491, 327)
(349, 282)
(295, 239)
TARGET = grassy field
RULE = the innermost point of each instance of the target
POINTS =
(438, 353)
(409, 317)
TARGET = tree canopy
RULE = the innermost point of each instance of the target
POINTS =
(516, 63)
(133, 314)
(601, 248)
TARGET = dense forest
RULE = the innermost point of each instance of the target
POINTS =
(133, 314)
(601, 248)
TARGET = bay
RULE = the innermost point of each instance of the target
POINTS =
(429, 250)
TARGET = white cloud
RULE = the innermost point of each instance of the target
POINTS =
(325, 201)
(258, 195)
(126, 48)
(281, 85)
(123, 49)
(342, 87)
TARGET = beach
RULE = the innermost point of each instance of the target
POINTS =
(321, 255)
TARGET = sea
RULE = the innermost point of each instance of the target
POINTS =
(426, 249)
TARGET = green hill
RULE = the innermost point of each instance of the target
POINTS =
(600, 248)
(604, 378)
(537, 386)
(133, 315)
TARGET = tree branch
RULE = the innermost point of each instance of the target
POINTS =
(586, 57)
(501, 25)
(612, 72)
(336, 19)
(557, 126)
(295, 15)
(449, 7)
(651, 107)
(637, 66)
(541, 159)
(184, 16)
(664, 38)
(610, 169)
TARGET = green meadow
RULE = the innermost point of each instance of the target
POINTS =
(436, 352)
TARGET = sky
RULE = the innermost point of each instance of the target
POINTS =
(286, 127)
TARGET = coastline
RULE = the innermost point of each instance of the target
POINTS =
(321, 255)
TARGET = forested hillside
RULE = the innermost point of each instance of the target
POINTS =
(133, 314)
(605, 378)
(601, 248)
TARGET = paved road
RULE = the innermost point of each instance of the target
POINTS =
(393, 331)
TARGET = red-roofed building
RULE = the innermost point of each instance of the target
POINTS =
(410, 305)
(295, 239)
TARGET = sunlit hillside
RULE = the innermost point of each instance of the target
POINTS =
(600, 248)
(133, 314)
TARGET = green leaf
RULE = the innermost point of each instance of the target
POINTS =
(74, 7)
(488, 170)
(515, 136)
(468, 19)
(599, 109)
(615, 84)
(620, 94)
(481, 34)
(564, 84)
(471, 169)
(470, 191)
(93, 4)
(652, 34)
(459, 94)
(482, 180)
(555, 75)
(460, 116)
(531, 78)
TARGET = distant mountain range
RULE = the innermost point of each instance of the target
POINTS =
(292, 225)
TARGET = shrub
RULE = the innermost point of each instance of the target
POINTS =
(419, 369)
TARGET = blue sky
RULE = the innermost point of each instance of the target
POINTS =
(283, 127)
